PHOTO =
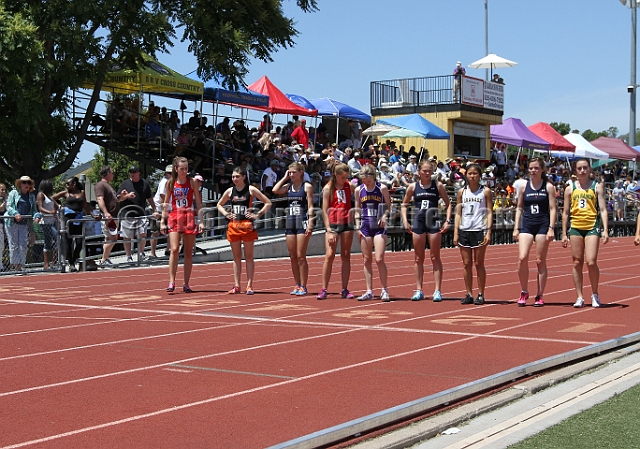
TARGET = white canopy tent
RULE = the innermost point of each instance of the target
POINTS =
(584, 148)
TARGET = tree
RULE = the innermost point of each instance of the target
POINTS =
(50, 48)
(561, 127)
(592, 135)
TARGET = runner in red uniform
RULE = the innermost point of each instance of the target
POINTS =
(338, 220)
(179, 219)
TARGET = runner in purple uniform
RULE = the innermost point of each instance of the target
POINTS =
(372, 206)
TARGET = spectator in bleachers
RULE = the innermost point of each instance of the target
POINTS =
(300, 134)
(195, 121)
(152, 130)
(223, 128)
(619, 203)
(48, 210)
(412, 166)
(269, 178)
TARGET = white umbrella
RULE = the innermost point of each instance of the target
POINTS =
(492, 61)
(378, 129)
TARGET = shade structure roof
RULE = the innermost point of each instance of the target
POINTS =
(150, 77)
(417, 123)
(546, 132)
(584, 148)
(278, 102)
(616, 148)
(402, 133)
(328, 107)
(300, 101)
(513, 132)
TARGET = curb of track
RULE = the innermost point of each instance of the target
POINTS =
(581, 360)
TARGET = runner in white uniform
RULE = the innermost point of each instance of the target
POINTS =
(472, 231)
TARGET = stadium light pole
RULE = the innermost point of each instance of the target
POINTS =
(486, 35)
(632, 4)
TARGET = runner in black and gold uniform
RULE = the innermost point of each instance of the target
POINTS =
(584, 202)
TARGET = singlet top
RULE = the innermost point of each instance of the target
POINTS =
(241, 202)
(536, 204)
(474, 210)
(372, 203)
(74, 203)
(47, 204)
(584, 207)
(181, 197)
(425, 200)
(340, 205)
(298, 206)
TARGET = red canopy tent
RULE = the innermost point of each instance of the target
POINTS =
(278, 102)
(616, 148)
(546, 132)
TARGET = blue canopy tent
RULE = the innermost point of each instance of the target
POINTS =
(300, 101)
(420, 125)
(331, 108)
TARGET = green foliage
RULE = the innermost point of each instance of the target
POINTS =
(119, 164)
(591, 135)
(49, 48)
(561, 127)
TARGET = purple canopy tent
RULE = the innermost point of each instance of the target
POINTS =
(513, 132)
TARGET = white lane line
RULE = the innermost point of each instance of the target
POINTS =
(227, 396)
(489, 436)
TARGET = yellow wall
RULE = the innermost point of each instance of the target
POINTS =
(444, 148)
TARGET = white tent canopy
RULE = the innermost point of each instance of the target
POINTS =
(584, 148)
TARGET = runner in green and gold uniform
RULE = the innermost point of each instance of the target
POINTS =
(586, 199)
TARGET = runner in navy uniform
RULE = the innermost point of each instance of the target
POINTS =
(372, 203)
(299, 222)
(537, 208)
(425, 194)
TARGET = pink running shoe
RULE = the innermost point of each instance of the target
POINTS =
(523, 299)
(539, 301)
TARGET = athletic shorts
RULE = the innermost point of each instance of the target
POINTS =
(369, 232)
(535, 228)
(471, 239)
(131, 228)
(295, 225)
(184, 223)
(340, 228)
(585, 232)
(421, 227)
(241, 231)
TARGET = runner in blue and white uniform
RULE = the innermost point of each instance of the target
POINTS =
(537, 209)
(425, 195)
(373, 205)
(299, 222)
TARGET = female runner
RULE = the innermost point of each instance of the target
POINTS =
(472, 231)
(372, 205)
(240, 229)
(183, 200)
(426, 226)
(338, 220)
(582, 199)
(299, 223)
(537, 209)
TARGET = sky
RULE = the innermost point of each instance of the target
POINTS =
(574, 57)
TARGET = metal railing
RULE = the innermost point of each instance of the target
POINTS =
(424, 91)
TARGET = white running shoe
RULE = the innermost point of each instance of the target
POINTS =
(384, 296)
(595, 300)
(579, 303)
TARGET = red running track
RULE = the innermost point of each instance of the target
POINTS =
(108, 359)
